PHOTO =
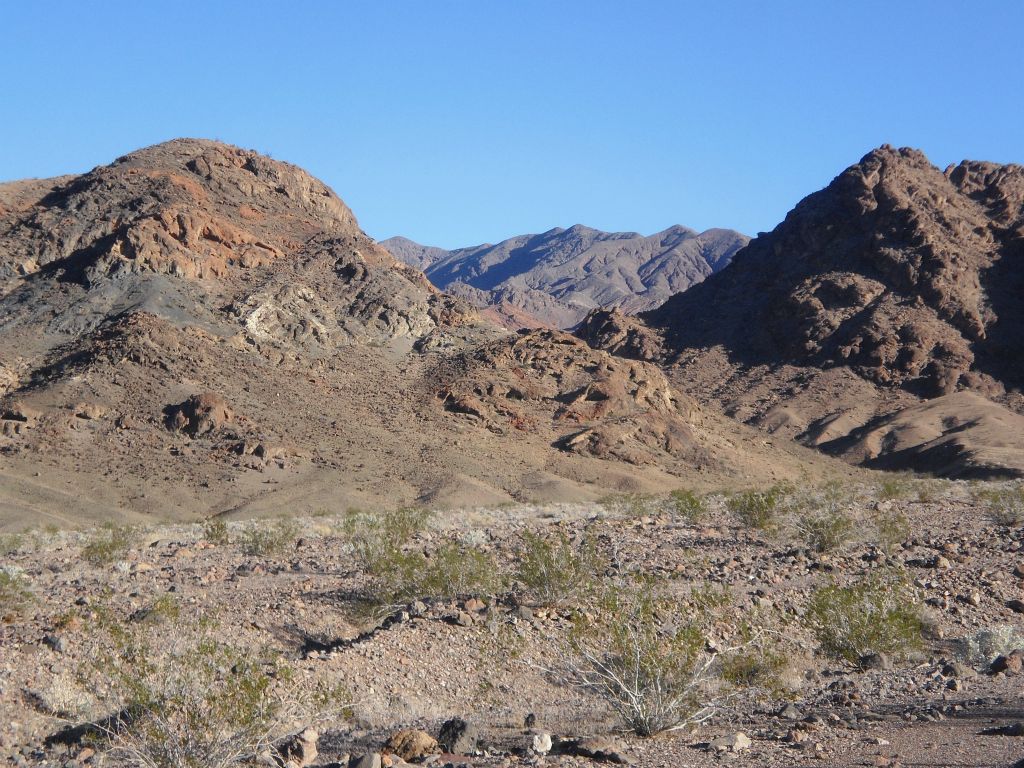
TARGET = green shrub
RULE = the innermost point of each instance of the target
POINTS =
(826, 531)
(875, 615)
(215, 531)
(1004, 506)
(14, 594)
(196, 702)
(755, 668)
(456, 570)
(891, 529)
(265, 538)
(629, 504)
(10, 543)
(895, 488)
(164, 608)
(109, 543)
(757, 509)
(688, 506)
(555, 572)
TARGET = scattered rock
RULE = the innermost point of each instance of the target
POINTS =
(199, 414)
(298, 750)
(733, 742)
(542, 743)
(1017, 606)
(411, 744)
(369, 760)
(457, 737)
(1011, 663)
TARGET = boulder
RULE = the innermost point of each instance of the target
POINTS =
(457, 737)
(411, 744)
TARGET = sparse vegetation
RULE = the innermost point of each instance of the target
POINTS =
(10, 543)
(875, 615)
(201, 702)
(647, 656)
(108, 543)
(895, 488)
(215, 531)
(554, 571)
(14, 594)
(1004, 506)
(891, 529)
(757, 509)
(266, 538)
(825, 531)
(629, 504)
(688, 506)
(164, 608)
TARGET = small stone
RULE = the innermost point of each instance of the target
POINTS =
(876, 661)
(299, 749)
(1017, 606)
(412, 744)
(370, 760)
(55, 642)
(457, 737)
(542, 743)
(1012, 663)
(790, 712)
(734, 742)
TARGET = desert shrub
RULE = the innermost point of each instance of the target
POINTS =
(380, 537)
(456, 570)
(825, 531)
(10, 543)
(64, 697)
(215, 531)
(264, 538)
(875, 615)
(707, 597)
(982, 647)
(108, 543)
(758, 509)
(755, 667)
(1004, 506)
(14, 593)
(687, 505)
(201, 702)
(629, 504)
(891, 528)
(646, 656)
(895, 488)
(164, 608)
(555, 572)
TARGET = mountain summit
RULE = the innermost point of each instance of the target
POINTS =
(902, 276)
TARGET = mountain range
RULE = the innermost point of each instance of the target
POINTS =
(197, 329)
(555, 278)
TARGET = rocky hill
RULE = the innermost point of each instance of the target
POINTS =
(897, 282)
(196, 328)
(558, 276)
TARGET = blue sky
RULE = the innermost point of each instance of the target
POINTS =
(456, 123)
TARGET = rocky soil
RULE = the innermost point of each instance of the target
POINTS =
(485, 659)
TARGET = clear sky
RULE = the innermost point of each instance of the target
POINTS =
(456, 123)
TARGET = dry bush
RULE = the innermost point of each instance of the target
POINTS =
(982, 647)
(891, 529)
(647, 655)
(825, 531)
(215, 531)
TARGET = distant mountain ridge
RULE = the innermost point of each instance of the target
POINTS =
(558, 276)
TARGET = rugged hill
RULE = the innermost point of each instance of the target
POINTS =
(196, 328)
(896, 282)
(560, 275)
